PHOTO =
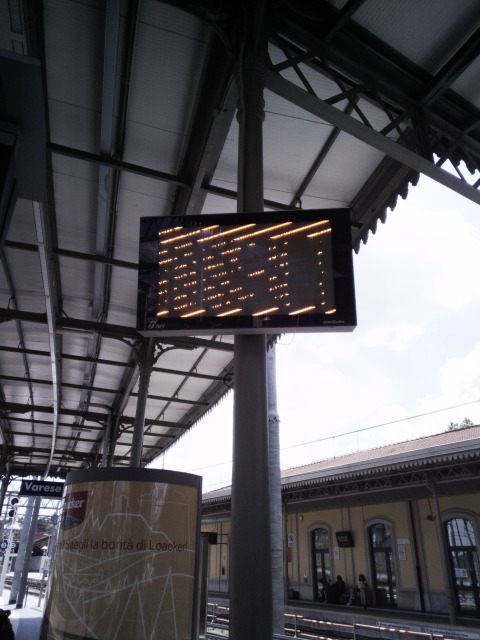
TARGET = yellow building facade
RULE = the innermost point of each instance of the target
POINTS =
(406, 517)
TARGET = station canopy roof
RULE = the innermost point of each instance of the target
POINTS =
(122, 109)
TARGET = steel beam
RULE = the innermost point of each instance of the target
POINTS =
(108, 330)
(389, 147)
(212, 121)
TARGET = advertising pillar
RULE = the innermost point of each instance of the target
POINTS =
(126, 564)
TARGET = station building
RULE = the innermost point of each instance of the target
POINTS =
(406, 516)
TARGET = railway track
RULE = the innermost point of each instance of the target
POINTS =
(297, 626)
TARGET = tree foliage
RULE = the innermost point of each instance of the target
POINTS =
(46, 524)
(465, 423)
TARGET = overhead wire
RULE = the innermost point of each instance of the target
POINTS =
(383, 424)
(354, 432)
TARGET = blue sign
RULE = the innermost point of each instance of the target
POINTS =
(42, 488)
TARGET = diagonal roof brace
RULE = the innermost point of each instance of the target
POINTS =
(337, 118)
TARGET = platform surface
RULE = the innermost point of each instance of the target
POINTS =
(27, 620)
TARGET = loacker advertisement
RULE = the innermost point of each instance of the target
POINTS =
(126, 562)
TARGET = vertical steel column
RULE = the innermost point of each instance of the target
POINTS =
(111, 445)
(22, 551)
(203, 586)
(31, 536)
(146, 360)
(9, 135)
(107, 440)
(250, 560)
(7, 555)
(275, 495)
(108, 437)
(286, 586)
(5, 480)
(444, 558)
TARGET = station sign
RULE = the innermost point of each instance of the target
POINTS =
(42, 488)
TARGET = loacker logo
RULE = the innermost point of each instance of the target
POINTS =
(74, 509)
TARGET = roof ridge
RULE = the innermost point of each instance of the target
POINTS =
(384, 446)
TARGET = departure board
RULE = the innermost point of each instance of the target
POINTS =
(246, 273)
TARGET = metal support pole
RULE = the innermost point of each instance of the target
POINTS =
(108, 437)
(286, 585)
(28, 552)
(275, 496)
(146, 360)
(107, 441)
(445, 560)
(250, 561)
(250, 119)
(111, 441)
(203, 586)
(4, 485)
(22, 557)
(6, 557)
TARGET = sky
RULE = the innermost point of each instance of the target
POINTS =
(409, 369)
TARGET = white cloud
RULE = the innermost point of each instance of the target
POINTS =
(395, 336)
(420, 266)
(461, 376)
(316, 396)
(313, 348)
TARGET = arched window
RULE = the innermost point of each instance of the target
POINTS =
(322, 570)
(383, 566)
(462, 545)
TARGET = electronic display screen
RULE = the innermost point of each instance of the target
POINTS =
(246, 273)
